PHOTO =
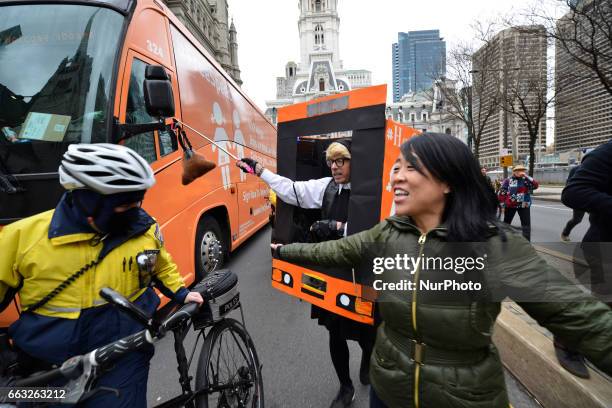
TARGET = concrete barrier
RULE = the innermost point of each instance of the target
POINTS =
(546, 175)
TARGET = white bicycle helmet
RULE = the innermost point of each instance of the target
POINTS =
(105, 168)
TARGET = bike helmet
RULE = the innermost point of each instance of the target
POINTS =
(105, 168)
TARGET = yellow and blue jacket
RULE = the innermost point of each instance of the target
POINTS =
(40, 252)
(36, 263)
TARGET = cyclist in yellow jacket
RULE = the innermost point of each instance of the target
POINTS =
(58, 261)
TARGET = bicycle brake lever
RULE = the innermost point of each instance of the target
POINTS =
(79, 385)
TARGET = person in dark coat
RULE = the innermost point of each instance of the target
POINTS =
(590, 190)
(577, 215)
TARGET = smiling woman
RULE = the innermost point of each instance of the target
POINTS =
(444, 208)
(433, 189)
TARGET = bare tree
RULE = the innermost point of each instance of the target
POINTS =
(469, 92)
(530, 88)
(584, 33)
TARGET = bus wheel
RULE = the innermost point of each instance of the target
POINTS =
(209, 247)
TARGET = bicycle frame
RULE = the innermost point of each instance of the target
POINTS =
(188, 396)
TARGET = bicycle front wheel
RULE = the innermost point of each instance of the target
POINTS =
(228, 369)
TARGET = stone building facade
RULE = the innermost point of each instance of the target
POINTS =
(583, 113)
(208, 21)
(517, 54)
(320, 70)
(426, 111)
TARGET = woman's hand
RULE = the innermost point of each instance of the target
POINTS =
(276, 250)
(194, 297)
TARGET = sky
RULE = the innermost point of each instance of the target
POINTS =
(268, 35)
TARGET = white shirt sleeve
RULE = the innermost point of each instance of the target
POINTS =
(310, 193)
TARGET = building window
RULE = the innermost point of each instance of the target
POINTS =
(319, 40)
(321, 84)
(413, 117)
(424, 116)
(317, 5)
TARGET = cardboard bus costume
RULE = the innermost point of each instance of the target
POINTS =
(303, 136)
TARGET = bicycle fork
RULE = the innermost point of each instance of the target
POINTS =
(183, 365)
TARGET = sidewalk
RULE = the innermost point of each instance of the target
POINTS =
(547, 193)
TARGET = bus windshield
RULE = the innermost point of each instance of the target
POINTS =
(56, 65)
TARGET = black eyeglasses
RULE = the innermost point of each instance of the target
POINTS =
(339, 162)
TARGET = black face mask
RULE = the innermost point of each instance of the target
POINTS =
(122, 222)
(101, 209)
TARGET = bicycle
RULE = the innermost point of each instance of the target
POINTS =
(220, 381)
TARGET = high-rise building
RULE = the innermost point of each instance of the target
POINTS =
(515, 59)
(583, 112)
(419, 58)
(396, 72)
(320, 71)
(208, 21)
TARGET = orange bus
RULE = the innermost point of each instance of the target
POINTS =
(360, 116)
(73, 72)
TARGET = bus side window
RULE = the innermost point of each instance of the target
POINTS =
(167, 142)
(136, 112)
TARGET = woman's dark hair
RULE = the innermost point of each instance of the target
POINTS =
(471, 204)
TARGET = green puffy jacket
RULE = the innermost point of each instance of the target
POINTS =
(434, 350)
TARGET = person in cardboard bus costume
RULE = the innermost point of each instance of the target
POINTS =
(331, 195)
(59, 260)
(434, 348)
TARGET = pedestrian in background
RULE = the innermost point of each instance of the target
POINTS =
(483, 170)
(515, 197)
(590, 190)
(494, 187)
(577, 215)
(500, 210)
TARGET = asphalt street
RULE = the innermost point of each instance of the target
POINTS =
(297, 370)
(547, 221)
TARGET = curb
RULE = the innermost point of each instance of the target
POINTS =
(547, 198)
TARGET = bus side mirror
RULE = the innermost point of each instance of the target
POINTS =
(159, 99)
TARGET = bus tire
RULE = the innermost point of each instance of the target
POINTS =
(208, 231)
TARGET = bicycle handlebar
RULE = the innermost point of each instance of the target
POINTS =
(186, 311)
(103, 356)
(111, 352)
(42, 379)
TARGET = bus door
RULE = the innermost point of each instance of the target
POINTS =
(159, 148)
(360, 116)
